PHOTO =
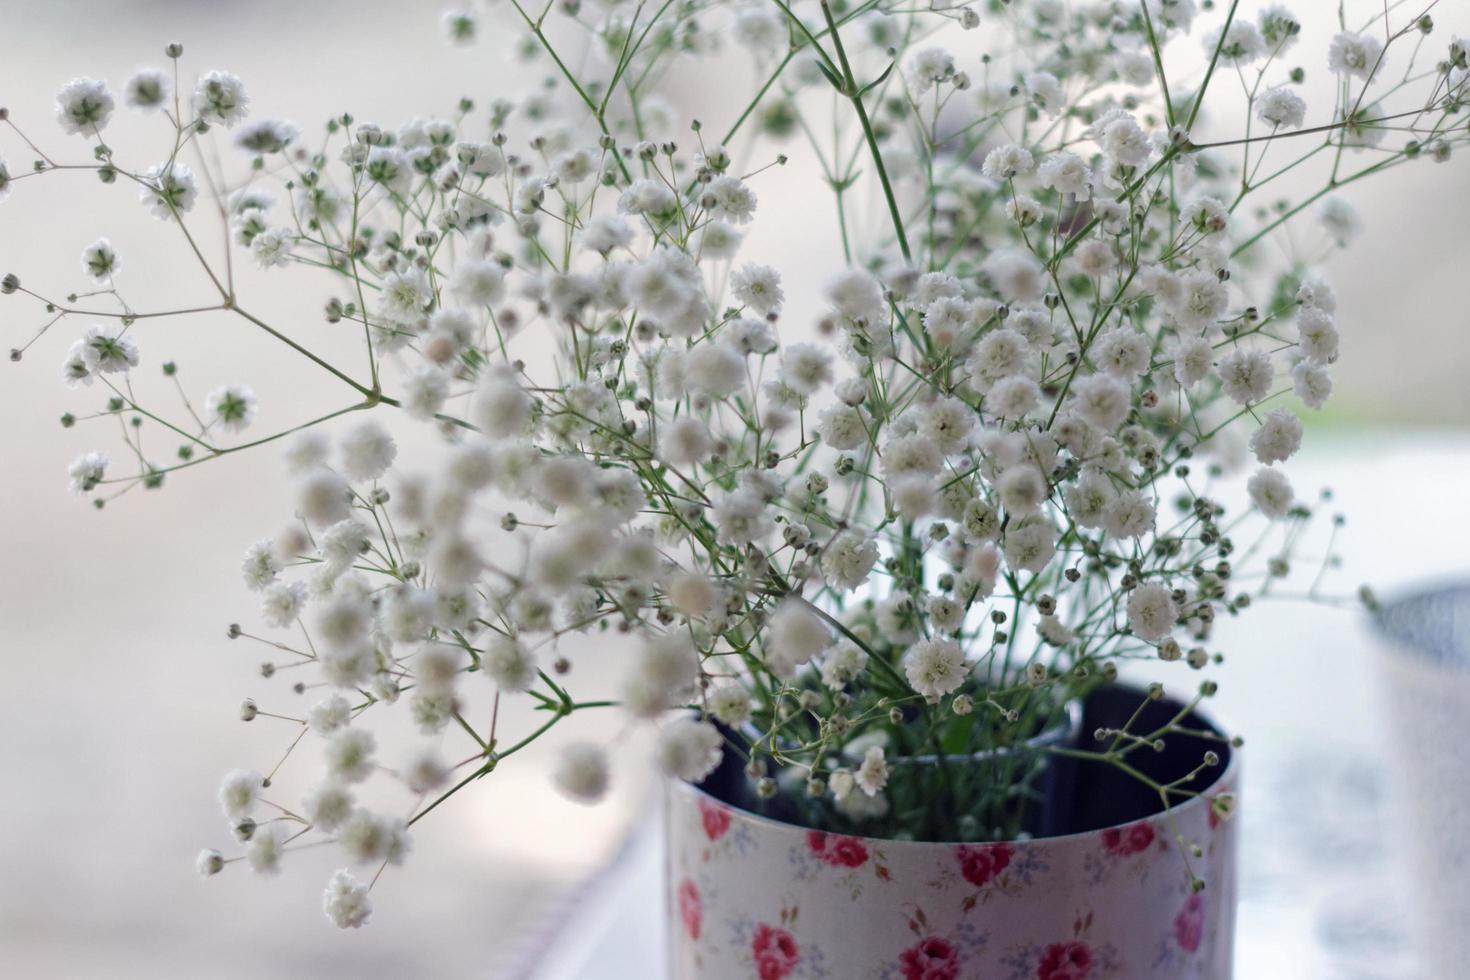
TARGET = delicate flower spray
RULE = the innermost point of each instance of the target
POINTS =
(989, 476)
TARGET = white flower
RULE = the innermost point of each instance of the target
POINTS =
(1279, 28)
(1201, 301)
(684, 441)
(1340, 220)
(367, 451)
(266, 136)
(1065, 173)
(86, 471)
(934, 668)
(805, 368)
(647, 196)
(1317, 335)
(729, 198)
(220, 98)
(1030, 547)
(231, 407)
(1129, 515)
(872, 775)
(328, 805)
(1008, 161)
(281, 603)
(425, 771)
(84, 106)
(1089, 497)
(1124, 141)
(758, 287)
(1016, 275)
(1152, 612)
(689, 749)
(581, 772)
(1101, 400)
(259, 566)
(1206, 215)
(239, 792)
(1046, 92)
(1122, 352)
(1281, 107)
(404, 298)
(1241, 44)
(1270, 492)
(928, 68)
(665, 669)
(509, 664)
(424, 392)
(1312, 384)
(1246, 375)
(169, 190)
(108, 350)
(100, 261)
(1278, 438)
(349, 755)
(794, 635)
(848, 559)
(323, 497)
(272, 248)
(263, 853)
(1192, 360)
(842, 664)
(148, 89)
(730, 703)
(501, 407)
(346, 901)
(741, 517)
(1354, 54)
(714, 369)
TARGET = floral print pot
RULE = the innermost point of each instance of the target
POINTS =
(757, 899)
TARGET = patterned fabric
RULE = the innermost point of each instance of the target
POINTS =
(754, 899)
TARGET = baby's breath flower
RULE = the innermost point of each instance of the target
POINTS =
(689, 749)
(582, 772)
(231, 407)
(148, 89)
(220, 98)
(84, 106)
(100, 261)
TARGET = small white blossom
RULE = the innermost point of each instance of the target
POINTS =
(1271, 492)
(1152, 612)
(935, 668)
(84, 106)
(582, 772)
(689, 749)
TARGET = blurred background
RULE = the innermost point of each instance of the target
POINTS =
(118, 715)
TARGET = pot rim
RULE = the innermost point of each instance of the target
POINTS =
(1230, 773)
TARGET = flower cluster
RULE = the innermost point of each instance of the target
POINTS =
(853, 554)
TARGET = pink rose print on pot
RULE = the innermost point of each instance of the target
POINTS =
(980, 863)
(1127, 841)
(691, 909)
(775, 952)
(933, 958)
(716, 820)
(1189, 924)
(836, 850)
(1065, 961)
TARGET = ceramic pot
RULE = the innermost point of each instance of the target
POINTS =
(1107, 896)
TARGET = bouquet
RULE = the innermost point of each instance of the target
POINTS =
(874, 555)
